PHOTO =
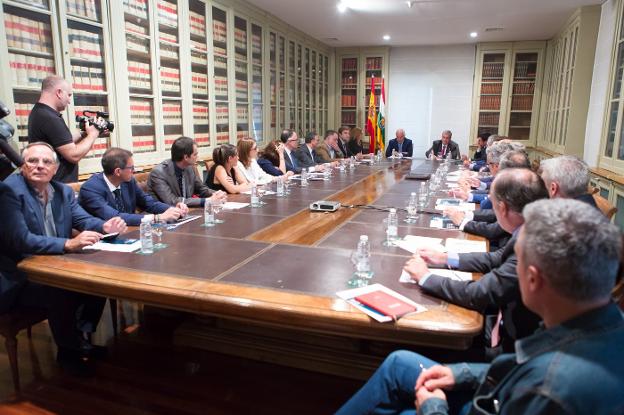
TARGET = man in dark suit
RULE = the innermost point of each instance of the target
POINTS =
(176, 177)
(38, 217)
(498, 288)
(566, 177)
(115, 192)
(344, 135)
(400, 144)
(444, 148)
(291, 143)
(306, 154)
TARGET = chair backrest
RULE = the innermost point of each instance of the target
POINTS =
(604, 205)
(75, 186)
(141, 179)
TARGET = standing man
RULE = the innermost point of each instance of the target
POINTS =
(38, 217)
(444, 148)
(344, 135)
(176, 177)
(401, 144)
(46, 124)
(115, 192)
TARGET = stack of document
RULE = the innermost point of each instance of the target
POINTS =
(442, 204)
(464, 245)
(412, 243)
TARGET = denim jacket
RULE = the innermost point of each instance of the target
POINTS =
(574, 368)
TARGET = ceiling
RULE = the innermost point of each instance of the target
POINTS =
(427, 22)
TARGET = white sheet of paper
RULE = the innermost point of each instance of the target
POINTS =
(463, 206)
(105, 246)
(234, 205)
(411, 243)
(266, 192)
(447, 273)
(465, 245)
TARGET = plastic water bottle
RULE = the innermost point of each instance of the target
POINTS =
(392, 229)
(147, 244)
(209, 217)
(362, 255)
(255, 199)
(304, 177)
(280, 187)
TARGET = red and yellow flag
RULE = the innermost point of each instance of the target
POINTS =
(371, 122)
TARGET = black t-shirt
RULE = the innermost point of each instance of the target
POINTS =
(46, 124)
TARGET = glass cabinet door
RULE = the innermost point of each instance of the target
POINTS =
(221, 94)
(491, 93)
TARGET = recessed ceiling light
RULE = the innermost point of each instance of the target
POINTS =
(386, 37)
(473, 34)
(342, 7)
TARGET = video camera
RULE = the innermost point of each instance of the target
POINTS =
(97, 118)
(10, 155)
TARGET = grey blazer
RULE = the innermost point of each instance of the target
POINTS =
(163, 185)
(305, 158)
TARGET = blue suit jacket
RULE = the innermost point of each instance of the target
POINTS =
(289, 164)
(407, 148)
(98, 200)
(23, 230)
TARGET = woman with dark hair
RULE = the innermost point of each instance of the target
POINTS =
(355, 144)
(223, 175)
(272, 159)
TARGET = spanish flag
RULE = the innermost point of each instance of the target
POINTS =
(371, 122)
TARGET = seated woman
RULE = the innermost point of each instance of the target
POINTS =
(248, 164)
(271, 159)
(224, 175)
(355, 144)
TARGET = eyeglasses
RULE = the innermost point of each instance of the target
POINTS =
(131, 168)
(34, 161)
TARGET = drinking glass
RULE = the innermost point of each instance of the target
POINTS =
(157, 229)
(217, 206)
(261, 192)
(412, 211)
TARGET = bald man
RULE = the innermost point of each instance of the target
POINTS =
(46, 124)
(401, 144)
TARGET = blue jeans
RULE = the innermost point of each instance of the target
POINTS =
(391, 388)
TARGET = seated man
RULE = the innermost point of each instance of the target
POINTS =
(479, 160)
(344, 138)
(497, 289)
(400, 144)
(115, 192)
(38, 216)
(568, 261)
(444, 148)
(328, 151)
(306, 154)
(566, 177)
(175, 178)
(291, 142)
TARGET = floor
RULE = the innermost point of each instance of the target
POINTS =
(146, 374)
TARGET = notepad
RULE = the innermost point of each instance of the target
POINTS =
(117, 245)
(386, 304)
(234, 205)
(465, 245)
(412, 243)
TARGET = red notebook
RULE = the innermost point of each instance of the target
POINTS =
(386, 304)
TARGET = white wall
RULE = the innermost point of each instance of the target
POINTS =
(600, 82)
(430, 90)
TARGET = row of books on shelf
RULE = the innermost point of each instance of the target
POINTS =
(242, 134)
(242, 114)
(137, 8)
(349, 64)
(490, 102)
(220, 62)
(88, 78)
(199, 83)
(240, 38)
(98, 148)
(28, 34)
(172, 113)
(169, 51)
(200, 114)
(221, 85)
(198, 23)
(85, 45)
(167, 13)
(493, 69)
(143, 143)
(199, 58)
(202, 139)
(349, 81)
(240, 68)
(141, 112)
(377, 83)
(522, 103)
(489, 118)
(169, 139)
(136, 28)
(170, 79)
(241, 85)
(137, 44)
(168, 37)
(256, 43)
(29, 71)
(525, 69)
(222, 115)
(218, 50)
(496, 88)
(348, 100)
(219, 32)
(22, 112)
(524, 88)
(223, 137)
(83, 8)
(374, 64)
(199, 46)
(139, 75)
(348, 118)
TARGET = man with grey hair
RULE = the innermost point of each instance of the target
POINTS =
(45, 123)
(400, 144)
(444, 148)
(568, 260)
(512, 190)
(566, 177)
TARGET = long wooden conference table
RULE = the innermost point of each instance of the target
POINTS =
(276, 269)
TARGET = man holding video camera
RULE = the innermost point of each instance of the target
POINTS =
(46, 124)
